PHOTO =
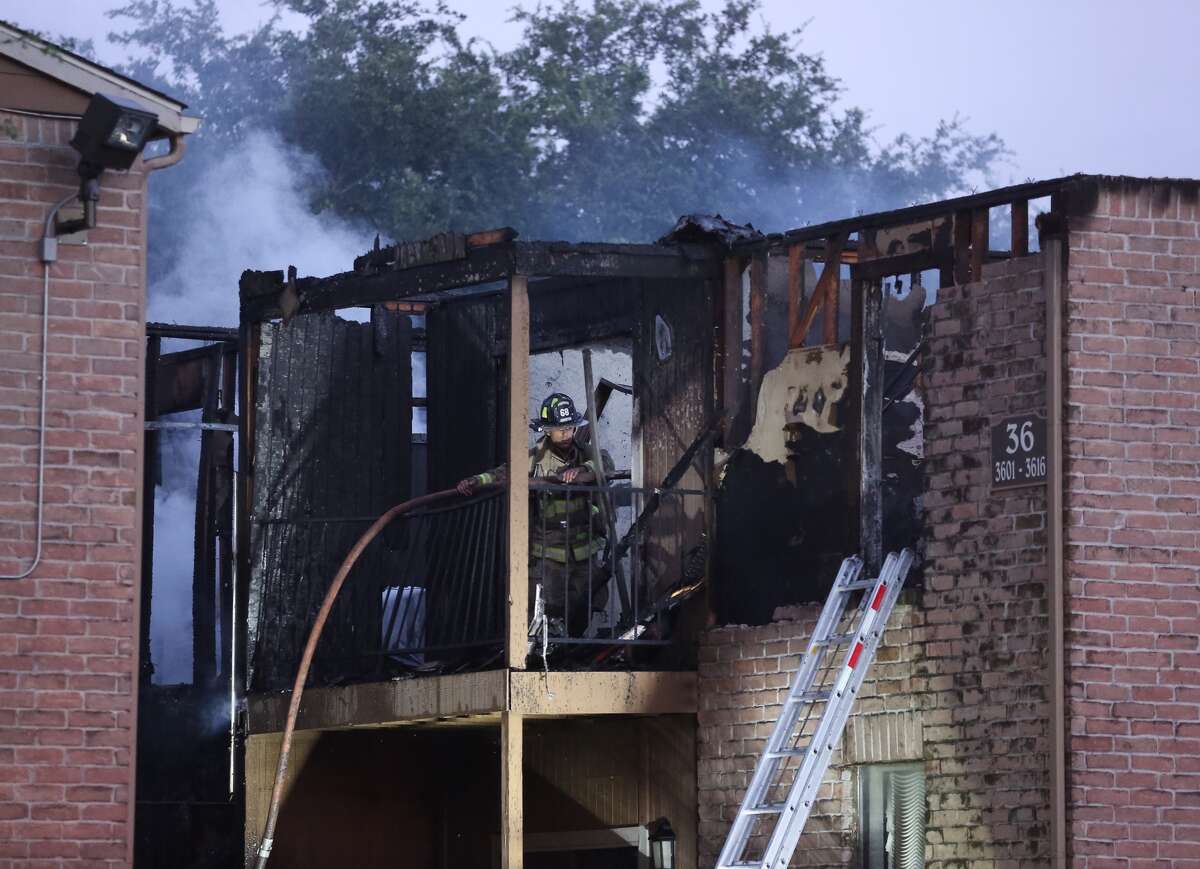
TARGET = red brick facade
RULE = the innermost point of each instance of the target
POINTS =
(68, 633)
(1133, 527)
(985, 716)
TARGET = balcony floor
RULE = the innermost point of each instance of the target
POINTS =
(465, 698)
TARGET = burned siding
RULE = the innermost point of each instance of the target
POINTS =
(332, 440)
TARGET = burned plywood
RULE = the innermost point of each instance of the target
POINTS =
(331, 453)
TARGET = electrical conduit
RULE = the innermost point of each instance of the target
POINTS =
(49, 254)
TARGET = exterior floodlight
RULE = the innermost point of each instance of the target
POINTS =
(111, 134)
(662, 845)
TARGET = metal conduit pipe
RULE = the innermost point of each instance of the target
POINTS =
(314, 635)
(49, 254)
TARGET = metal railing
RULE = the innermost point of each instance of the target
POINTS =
(430, 592)
(600, 591)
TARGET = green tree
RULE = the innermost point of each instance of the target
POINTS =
(567, 135)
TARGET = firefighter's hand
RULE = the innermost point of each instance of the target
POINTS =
(570, 474)
(468, 486)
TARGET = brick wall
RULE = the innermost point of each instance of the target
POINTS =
(1132, 500)
(744, 674)
(985, 711)
(961, 674)
(68, 633)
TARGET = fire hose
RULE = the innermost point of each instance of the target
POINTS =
(314, 635)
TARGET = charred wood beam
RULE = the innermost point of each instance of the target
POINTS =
(867, 423)
(551, 259)
(729, 346)
(904, 264)
(962, 247)
(912, 214)
(191, 333)
(179, 378)
(829, 287)
(979, 242)
(795, 295)
(204, 561)
(1020, 227)
(824, 296)
(226, 483)
(758, 326)
(442, 247)
(249, 342)
(260, 291)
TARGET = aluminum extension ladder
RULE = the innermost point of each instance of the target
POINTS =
(817, 690)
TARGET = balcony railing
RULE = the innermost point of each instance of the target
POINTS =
(607, 569)
(429, 593)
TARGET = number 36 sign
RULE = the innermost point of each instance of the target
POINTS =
(1018, 452)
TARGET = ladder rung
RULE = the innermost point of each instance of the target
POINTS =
(810, 695)
(856, 586)
(788, 752)
(835, 639)
(740, 866)
(768, 809)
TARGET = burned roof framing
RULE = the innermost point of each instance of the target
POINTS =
(466, 261)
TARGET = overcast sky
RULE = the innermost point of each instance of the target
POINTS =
(1071, 85)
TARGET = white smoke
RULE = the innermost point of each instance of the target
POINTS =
(250, 212)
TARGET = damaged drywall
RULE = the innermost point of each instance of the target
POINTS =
(803, 390)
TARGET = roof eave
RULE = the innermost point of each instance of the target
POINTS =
(90, 78)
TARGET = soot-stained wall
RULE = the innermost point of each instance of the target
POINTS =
(786, 513)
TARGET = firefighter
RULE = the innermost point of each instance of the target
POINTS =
(566, 531)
